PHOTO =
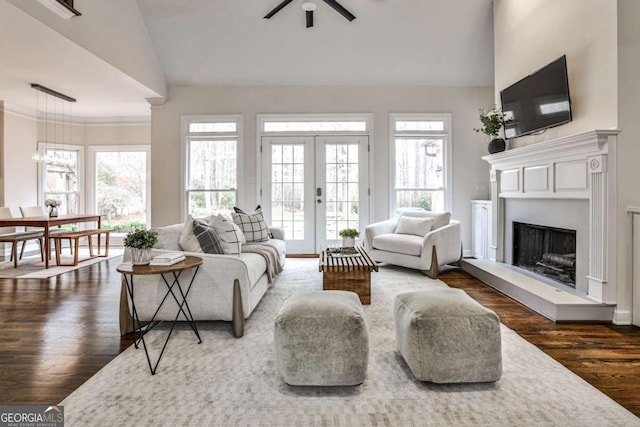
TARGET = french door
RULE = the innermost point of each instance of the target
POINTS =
(315, 186)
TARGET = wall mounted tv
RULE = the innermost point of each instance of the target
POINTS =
(537, 102)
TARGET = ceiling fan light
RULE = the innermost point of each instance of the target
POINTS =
(309, 6)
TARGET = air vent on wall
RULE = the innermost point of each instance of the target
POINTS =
(63, 8)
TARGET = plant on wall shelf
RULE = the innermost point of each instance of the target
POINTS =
(492, 121)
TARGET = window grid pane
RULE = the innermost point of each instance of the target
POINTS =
(213, 127)
(61, 179)
(287, 189)
(342, 192)
(419, 125)
(212, 177)
(317, 126)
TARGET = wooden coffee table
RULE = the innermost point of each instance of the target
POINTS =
(347, 269)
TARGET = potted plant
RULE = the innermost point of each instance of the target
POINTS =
(141, 241)
(52, 204)
(492, 122)
(349, 236)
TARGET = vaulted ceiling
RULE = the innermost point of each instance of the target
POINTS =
(227, 42)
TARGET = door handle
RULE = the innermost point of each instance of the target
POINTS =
(319, 191)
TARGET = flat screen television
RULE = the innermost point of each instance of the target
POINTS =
(538, 101)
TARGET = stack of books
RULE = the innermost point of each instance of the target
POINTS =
(169, 258)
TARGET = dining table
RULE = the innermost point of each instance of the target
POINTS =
(48, 222)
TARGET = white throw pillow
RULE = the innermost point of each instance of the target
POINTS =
(188, 240)
(441, 220)
(230, 234)
(415, 226)
(169, 237)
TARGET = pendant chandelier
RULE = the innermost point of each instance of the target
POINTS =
(38, 156)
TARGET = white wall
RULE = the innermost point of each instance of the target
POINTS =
(112, 30)
(531, 33)
(470, 173)
(629, 137)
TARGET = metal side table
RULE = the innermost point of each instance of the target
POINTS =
(171, 277)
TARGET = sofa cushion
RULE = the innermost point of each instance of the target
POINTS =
(415, 226)
(188, 240)
(207, 237)
(169, 237)
(407, 244)
(440, 220)
(230, 235)
(252, 224)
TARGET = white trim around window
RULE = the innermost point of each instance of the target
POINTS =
(220, 127)
(440, 128)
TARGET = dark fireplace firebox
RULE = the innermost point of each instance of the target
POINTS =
(548, 251)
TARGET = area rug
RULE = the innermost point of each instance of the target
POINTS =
(232, 382)
(32, 267)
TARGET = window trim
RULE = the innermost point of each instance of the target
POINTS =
(42, 148)
(446, 134)
(186, 136)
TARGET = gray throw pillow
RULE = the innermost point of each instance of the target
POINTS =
(207, 237)
(231, 236)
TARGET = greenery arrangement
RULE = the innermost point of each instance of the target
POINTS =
(492, 121)
(52, 203)
(349, 232)
(141, 239)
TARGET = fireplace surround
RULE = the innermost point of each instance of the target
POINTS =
(577, 169)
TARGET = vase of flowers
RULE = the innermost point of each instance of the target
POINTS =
(52, 204)
(141, 241)
(349, 236)
(492, 122)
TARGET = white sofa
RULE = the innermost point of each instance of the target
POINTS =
(439, 246)
(227, 287)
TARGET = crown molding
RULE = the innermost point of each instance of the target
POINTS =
(60, 8)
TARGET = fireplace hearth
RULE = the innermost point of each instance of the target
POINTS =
(547, 251)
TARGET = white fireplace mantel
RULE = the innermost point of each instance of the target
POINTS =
(579, 166)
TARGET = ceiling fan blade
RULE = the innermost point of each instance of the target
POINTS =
(340, 9)
(309, 14)
(277, 9)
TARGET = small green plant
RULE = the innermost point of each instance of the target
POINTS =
(492, 121)
(349, 232)
(141, 239)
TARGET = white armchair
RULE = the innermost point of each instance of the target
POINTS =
(417, 239)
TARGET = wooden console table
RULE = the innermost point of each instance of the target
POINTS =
(347, 271)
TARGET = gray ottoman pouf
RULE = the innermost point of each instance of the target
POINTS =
(445, 336)
(321, 339)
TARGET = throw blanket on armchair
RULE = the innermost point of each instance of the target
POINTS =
(270, 255)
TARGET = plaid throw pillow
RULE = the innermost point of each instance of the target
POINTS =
(207, 237)
(252, 224)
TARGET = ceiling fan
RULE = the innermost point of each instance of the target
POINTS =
(309, 7)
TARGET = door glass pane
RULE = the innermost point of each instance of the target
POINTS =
(342, 202)
(121, 189)
(61, 179)
(287, 185)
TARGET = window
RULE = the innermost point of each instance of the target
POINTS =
(419, 159)
(61, 176)
(119, 186)
(212, 164)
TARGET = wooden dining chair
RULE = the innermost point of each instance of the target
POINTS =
(29, 211)
(10, 235)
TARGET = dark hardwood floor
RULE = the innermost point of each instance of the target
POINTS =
(57, 333)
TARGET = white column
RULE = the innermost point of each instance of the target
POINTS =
(598, 220)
